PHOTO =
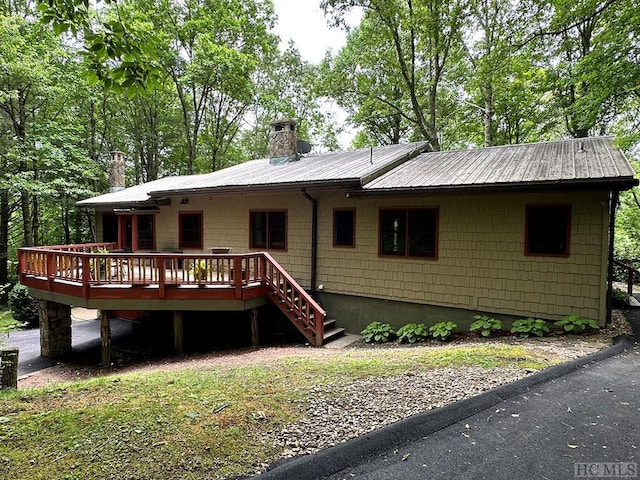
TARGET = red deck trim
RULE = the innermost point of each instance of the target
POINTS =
(70, 271)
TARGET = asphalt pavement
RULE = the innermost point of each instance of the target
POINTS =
(85, 343)
(580, 419)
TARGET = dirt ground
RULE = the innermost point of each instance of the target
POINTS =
(560, 346)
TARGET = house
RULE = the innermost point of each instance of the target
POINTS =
(393, 233)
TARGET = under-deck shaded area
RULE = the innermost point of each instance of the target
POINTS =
(99, 276)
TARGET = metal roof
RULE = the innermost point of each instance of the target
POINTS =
(352, 168)
(132, 196)
(575, 161)
(405, 168)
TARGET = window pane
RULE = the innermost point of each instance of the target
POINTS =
(392, 232)
(343, 225)
(258, 225)
(145, 232)
(548, 230)
(109, 228)
(422, 233)
(191, 230)
(277, 224)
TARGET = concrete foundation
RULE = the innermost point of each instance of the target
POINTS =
(355, 313)
(55, 329)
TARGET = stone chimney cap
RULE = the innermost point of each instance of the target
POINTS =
(283, 141)
(283, 125)
(116, 171)
(283, 121)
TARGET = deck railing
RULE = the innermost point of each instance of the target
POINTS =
(304, 311)
(97, 265)
(630, 275)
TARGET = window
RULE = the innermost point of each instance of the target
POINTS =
(547, 230)
(268, 230)
(344, 228)
(109, 228)
(146, 237)
(190, 224)
(409, 232)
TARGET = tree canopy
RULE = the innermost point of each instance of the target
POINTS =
(190, 87)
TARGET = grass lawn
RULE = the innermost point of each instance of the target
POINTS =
(7, 322)
(193, 424)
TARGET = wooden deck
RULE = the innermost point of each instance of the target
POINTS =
(98, 276)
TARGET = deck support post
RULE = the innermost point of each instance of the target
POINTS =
(55, 329)
(178, 333)
(105, 337)
(253, 315)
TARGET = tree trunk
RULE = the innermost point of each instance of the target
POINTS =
(27, 226)
(488, 115)
(4, 238)
(35, 223)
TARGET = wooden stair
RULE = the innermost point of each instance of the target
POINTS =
(298, 305)
(331, 331)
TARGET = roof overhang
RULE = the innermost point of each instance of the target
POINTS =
(136, 211)
(154, 203)
(618, 185)
(259, 188)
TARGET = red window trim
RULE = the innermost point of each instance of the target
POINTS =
(335, 230)
(407, 209)
(286, 229)
(569, 208)
(181, 245)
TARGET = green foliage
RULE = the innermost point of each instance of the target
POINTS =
(575, 324)
(24, 307)
(378, 332)
(486, 325)
(619, 297)
(627, 240)
(8, 323)
(443, 330)
(412, 333)
(200, 269)
(530, 326)
(217, 416)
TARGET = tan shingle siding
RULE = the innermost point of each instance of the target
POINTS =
(481, 262)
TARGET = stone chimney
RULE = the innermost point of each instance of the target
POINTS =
(283, 140)
(116, 172)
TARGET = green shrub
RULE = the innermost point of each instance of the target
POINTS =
(575, 324)
(24, 307)
(619, 298)
(377, 332)
(412, 333)
(443, 330)
(486, 325)
(530, 326)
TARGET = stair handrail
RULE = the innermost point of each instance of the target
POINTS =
(631, 272)
(313, 322)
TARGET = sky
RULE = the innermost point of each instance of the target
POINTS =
(303, 21)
